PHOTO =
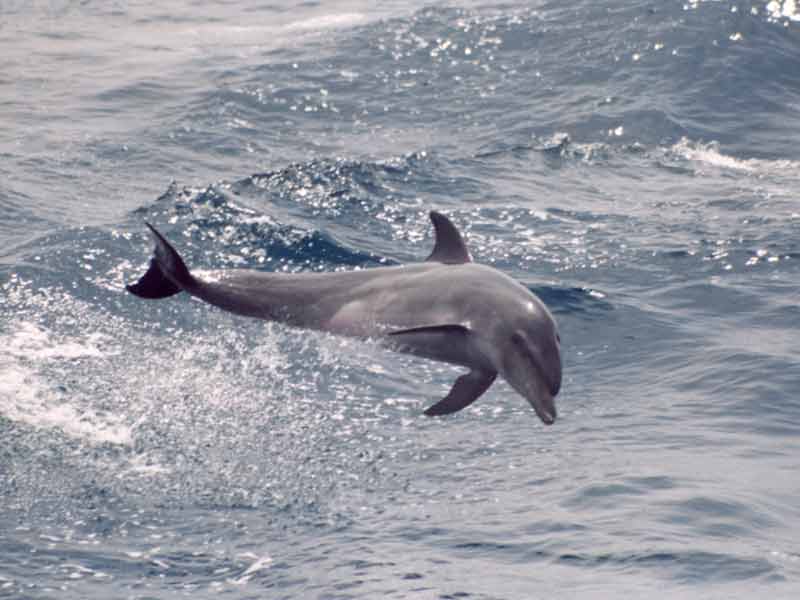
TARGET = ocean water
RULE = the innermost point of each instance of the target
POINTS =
(636, 164)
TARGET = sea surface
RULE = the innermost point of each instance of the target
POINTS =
(635, 164)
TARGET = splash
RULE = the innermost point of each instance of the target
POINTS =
(26, 396)
(786, 9)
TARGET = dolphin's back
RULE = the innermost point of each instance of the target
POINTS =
(312, 300)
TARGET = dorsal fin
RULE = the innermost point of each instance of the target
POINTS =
(449, 248)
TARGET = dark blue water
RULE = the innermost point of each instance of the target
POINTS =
(635, 164)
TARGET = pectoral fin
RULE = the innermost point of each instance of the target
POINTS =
(466, 390)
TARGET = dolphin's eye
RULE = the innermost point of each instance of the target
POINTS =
(518, 339)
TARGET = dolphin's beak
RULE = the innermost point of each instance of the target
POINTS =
(545, 406)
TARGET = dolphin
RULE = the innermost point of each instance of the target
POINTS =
(447, 308)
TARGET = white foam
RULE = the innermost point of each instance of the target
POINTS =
(328, 22)
(26, 397)
(141, 465)
(709, 154)
(260, 564)
(786, 9)
(30, 342)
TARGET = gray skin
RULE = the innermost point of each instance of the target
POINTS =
(447, 309)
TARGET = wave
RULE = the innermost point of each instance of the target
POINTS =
(710, 154)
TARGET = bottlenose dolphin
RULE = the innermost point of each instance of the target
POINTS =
(447, 309)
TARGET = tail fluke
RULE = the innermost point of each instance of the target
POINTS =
(167, 274)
